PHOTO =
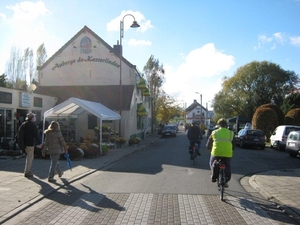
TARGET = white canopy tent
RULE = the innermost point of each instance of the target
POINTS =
(76, 106)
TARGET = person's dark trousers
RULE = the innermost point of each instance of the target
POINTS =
(198, 142)
(215, 169)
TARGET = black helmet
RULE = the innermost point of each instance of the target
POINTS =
(222, 122)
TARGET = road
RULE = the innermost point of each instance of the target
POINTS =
(160, 185)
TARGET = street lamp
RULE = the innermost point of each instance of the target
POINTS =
(134, 25)
(200, 107)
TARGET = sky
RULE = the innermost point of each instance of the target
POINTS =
(198, 42)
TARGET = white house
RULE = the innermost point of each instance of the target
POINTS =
(197, 113)
(86, 67)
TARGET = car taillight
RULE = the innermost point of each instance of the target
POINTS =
(282, 138)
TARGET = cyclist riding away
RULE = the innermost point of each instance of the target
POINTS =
(194, 135)
(221, 144)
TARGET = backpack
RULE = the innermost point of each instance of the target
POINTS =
(20, 136)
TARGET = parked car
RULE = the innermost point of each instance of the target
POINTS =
(251, 137)
(280, 134)
(169, 131)
(293, 144)
(174, 125)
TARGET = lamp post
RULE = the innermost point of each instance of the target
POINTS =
(200, 107)
(134, 25)
(207, 117)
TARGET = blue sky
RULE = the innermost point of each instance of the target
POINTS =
(198, 41)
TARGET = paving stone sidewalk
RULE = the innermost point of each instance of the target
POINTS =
(16, 194)
(280, 186)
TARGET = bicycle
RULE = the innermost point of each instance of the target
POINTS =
(193, 151)
(222, 178)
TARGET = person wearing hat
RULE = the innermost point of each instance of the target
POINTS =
(31, 138)
(54, 146)
(221, 144)
(194, 135)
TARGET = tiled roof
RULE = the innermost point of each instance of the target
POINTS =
(106, 95)
(192, 106)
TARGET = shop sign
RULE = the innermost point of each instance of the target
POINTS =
(24, 100)
(5, 97)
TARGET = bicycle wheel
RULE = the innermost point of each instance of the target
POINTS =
(221, 183)
(194, 156)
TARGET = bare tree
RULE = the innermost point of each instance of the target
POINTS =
(41, 56)
(14, 68)
(25, 64)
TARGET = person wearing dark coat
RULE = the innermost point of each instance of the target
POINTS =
(31, 139)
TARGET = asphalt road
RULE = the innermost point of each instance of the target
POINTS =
(158, 184)
(166, 168)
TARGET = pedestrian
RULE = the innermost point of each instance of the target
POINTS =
(31, 138)
(221, 143)
(54, 146)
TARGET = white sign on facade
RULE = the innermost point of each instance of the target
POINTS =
(24, 100)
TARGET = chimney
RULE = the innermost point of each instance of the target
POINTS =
(118, 48)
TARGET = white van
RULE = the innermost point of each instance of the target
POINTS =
(279, 136)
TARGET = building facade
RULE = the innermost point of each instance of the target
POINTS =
(14, 106)
(197, 113)
(86, 67)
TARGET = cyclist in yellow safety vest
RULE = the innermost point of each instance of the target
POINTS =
(221, 144)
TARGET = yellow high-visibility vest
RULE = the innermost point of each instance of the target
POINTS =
(222, 142)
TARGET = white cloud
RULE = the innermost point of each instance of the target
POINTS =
(279, 37)
(27, 23)
(270, 41)
(201, 72)
(264, 39)
(28, 12)
(206, 62)
(114, 25)
(295, 41)
(134, 42)
(2, 16)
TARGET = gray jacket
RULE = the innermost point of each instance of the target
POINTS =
(54, 142)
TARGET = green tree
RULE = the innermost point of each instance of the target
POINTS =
(265, 119)
(3, 78)
(292, 117)
(254, 84)
(279, 113)
(292, 101)
(166, 108)
(154, 72)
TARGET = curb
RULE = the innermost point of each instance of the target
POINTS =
(40, 197)
(286, 209)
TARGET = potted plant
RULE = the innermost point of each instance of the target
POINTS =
(120, 141)
(134, 141)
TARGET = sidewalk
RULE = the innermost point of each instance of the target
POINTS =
(280, 186)
(17, 194)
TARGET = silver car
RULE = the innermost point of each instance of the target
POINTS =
(293, 144)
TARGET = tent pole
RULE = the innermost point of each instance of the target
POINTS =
(100, 136)
(43, 130)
